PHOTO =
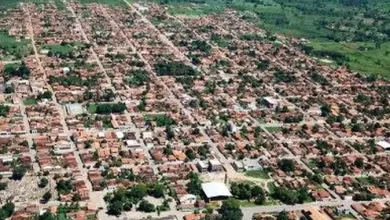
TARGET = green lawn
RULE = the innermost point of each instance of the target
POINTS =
(273, 129)
(271, 187)
(30, 101)
(258, 174)
(92, 108)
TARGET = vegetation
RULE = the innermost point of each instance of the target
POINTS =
(30, 101)
(12, 47)
(244, 191)
(230, 210)
(161, 120)
(63, 50)
(289, 196)
(258, 174)
(174, 69)
(106, 108)
(7, 210)
(43, 183)
(137, 78)
(3, 186)
(74, 79)
(18, 172)
(16, 70)
(352, 32)
(123, 199)
(4, 109)
(194, 186)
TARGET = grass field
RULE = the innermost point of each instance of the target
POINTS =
(273, 129)
(258, 174)
(30, 101)
(15, 48)
(92, 108)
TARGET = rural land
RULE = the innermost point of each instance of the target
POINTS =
(194, 109)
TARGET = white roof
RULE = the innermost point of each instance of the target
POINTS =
(119, 135)
(271, 100)
(215, 189)
(132, 143)
(215, 162)
(384, 144)
(201, 164)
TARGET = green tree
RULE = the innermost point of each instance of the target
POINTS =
(287, 165)
(146, 206)
(115, 208)
(190, 154)
(43, 183)
(46, 197)
(283, 215)
(230, 210)
(194, 186)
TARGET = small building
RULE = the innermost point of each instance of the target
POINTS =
(251, 165)
(239, 166)
(187, 199)
(215, 191)
(215, 165)
(270, 102)
(133, 143)
(384, 144)
(62, 147)
(201, 166)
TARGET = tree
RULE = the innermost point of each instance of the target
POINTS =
(47, 216)
(259, 193)
(230, 210)
(359, 163)
(127, 206)
(115, 208)
(46, 197)
(138, 192)
(43, 183)
(190, 154)
(157, 191)
(287, 165)
(3, 186)
(283, 215)
(18, 172)
(194, 186)
(76, 197)
(146, 206)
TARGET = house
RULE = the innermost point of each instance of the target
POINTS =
(270, 102)
(63, 147)
(201, 166)
(251, 165)
(215, 165)
(383, 144)
(187, 199)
